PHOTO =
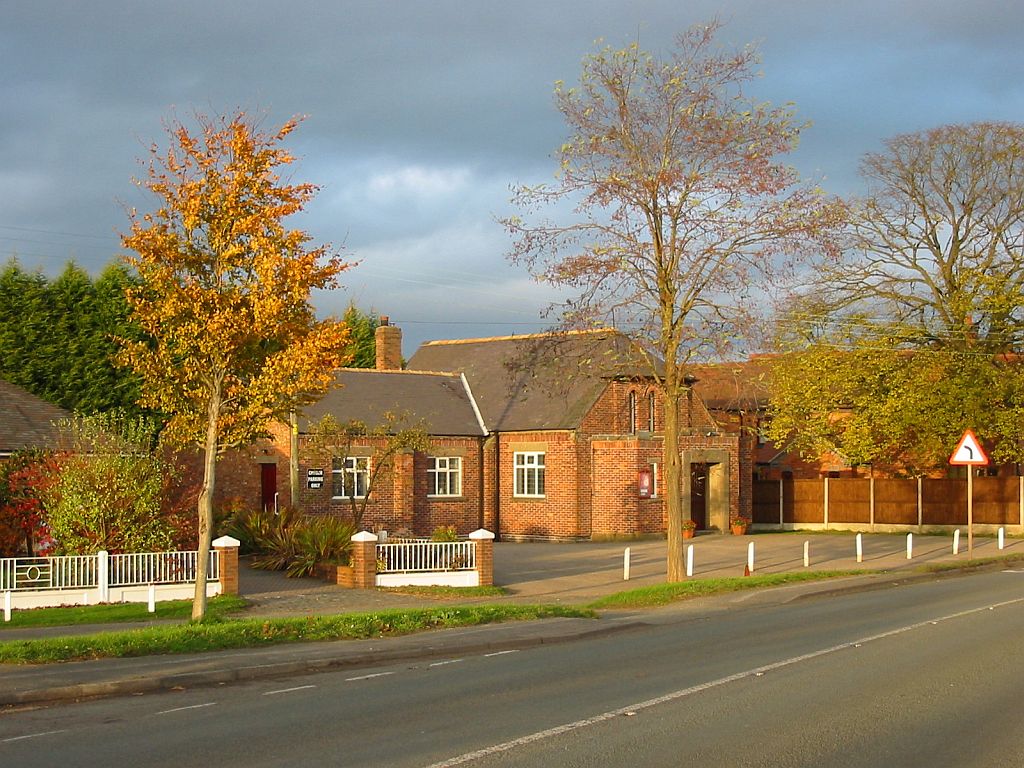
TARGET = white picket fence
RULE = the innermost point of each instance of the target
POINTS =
(34, 582)
(423, 562)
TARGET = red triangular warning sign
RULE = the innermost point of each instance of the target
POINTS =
(968, 451)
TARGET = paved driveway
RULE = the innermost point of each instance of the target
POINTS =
(580, 572)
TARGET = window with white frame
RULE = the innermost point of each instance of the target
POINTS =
(444, 476)
(529, 479)
(632, 412)
(650, 411)
(350, 477)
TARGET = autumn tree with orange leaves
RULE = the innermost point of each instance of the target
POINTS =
(684, 213)
(233, 341)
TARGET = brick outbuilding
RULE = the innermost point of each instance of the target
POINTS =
(548, 436)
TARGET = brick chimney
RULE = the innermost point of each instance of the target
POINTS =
(389, 345)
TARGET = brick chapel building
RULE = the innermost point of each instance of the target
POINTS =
(547, 436)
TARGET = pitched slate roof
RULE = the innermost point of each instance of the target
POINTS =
(542, 381)
(439, 402)
(25, 420)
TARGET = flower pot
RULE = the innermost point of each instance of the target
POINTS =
(688, 533)
(738, 530)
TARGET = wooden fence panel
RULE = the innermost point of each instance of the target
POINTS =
(944, 501)
(766, 501)
(896, 501)
(804, 501)
(996, 500)
(849, 500)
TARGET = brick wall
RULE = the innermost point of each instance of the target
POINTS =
(398, 499)
(557, 514)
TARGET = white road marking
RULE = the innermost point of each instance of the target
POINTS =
(449, 661)
(31, 736)
(499, 653)
(682, 693)
(182, 709)
(368, 677)
(289, 690)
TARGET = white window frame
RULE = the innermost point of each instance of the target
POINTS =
(448, 468)
(632, 412)
(528, 470)
(350, 470)
(650, 412)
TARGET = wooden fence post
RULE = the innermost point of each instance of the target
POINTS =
(782, 506)
(825, 505)
(871, 503)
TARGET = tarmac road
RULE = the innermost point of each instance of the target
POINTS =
(919, 674)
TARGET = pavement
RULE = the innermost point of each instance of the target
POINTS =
(566, 574)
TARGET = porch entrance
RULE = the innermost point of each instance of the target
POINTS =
(706, 488)
(698, 494)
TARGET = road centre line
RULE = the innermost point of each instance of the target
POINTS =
(288, 690)
(631, 709)
(182, 709)
(32, 736)
(448, 661)
(500, 653)
(368, 677)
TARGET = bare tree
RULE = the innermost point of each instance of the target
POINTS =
(683, 211)
(930, 288)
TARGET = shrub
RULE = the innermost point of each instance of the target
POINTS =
(109, 488)
(23, 479)
(444, 533)
(321, 540)
(260, 531)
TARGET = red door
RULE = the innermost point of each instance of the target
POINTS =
(268, 486)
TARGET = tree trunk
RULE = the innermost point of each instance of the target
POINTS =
(205, 510)
(673, 498)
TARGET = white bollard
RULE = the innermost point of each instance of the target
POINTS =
(152, 598)
(750, 557)
(910, 546)
(625, 565)
(689, 560)
(956, 542)
(1002, 537)
(807, 554)
(860, 548)
(7, 606)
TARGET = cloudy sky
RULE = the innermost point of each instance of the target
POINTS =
(420, 115)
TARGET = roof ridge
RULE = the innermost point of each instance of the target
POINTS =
(449, 374)
(515, 337)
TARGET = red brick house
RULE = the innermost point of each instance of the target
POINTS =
(551, 436)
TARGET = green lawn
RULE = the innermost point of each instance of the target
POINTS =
(217, 607)
(250, 633)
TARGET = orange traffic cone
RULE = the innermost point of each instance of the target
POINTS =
(746, 570)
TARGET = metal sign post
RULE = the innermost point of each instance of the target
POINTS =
(970, 454)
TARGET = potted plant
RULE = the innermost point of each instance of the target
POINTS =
(689, 528)
(738, 524)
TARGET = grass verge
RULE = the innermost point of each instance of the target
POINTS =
(663, 594)
(216, 608)
(251, 633)
(967, 565)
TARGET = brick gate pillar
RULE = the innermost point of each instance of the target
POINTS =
(364, 560)
(227, 549)
(484, 556)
